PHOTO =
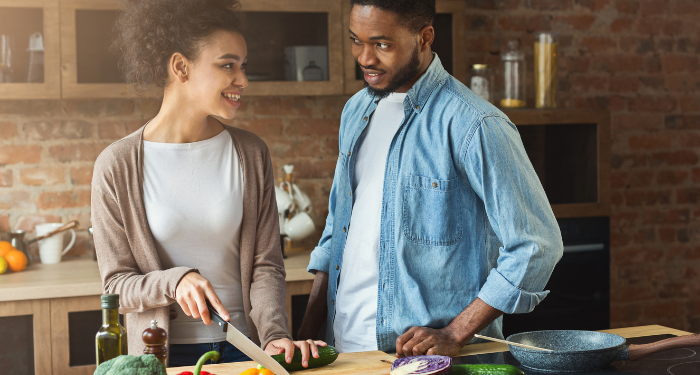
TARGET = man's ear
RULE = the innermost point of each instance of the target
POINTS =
(178, 67)
(427, 36)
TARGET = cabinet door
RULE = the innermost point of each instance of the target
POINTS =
(25, 328)
(74, 323)
(29, 74)
(449, 43)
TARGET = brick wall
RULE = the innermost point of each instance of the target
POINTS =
(637, 58)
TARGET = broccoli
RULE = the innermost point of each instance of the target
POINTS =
(146, 364)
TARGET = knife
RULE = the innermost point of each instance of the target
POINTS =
(240, 341)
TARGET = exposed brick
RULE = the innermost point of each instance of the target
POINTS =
(653, 104)
(5, 177)
(81, 175)
(42, 176)
(265, 128)
(683, 122)
(10, 154)
(637, 255)
(682, 157)
(580, 22)
(663, 309)
(652, 7)
(626, 312)
(479, 22)
(313, 127)
(696, 174)
(28, 222)
(650, 141)
(621, 24)
(593, 5)
(636, 198)
(685, 7)
(55, 129)
(627, 6)
(598, 44)
(680, 63)
(624, 84)
(525, 23)
(636, 293)
(667, 177)
(688, 195)
(14, 199)
(667, 235)
(63, 199)
(618, 63)
(98, 107)
(690, 104)
(77, 152)
(4, 223)
(117, 129)
(290, 106)
(551, 4)
(683, 82)
(8, 130)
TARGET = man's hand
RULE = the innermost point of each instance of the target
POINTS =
(288, 346)
(192, 292)
(423, 340)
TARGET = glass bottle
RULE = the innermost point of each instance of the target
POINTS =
(546, 64)
(312, 72)
(110, 341)
(481, 82)
(513, 70)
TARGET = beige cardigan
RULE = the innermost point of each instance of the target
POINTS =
(128, 261)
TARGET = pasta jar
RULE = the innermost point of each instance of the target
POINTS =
(513, 70)
(481, 82)
(546, 64)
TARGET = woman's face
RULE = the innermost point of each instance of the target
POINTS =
(217, 78)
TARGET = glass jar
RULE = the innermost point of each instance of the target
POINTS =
(546, 64)
(481, 82)
(513, 70)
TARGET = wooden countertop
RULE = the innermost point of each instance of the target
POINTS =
(80, 277)
(376, 363)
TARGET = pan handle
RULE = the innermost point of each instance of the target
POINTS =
(639, 351)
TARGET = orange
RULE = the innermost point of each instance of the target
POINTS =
(16, 260)
(5, 247)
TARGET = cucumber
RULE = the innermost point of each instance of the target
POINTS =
(485, 370)
(326, 355)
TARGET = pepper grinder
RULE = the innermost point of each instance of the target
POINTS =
(155, 339)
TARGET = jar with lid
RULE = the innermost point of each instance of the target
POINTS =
(546, 67)
(513, 70)
(481, 82)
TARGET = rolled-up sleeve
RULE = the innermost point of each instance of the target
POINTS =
(517, 208)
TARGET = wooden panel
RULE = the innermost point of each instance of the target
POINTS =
(51, 88)
(60, 358)
(459, 53)
(524, 117)
(362, 363)
(41, 313)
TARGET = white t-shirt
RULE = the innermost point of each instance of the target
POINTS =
(355, 324)
(193, 194)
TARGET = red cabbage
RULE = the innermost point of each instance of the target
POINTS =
(423, 365)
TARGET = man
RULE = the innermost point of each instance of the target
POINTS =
(437, 222)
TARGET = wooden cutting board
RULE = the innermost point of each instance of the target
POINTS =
(366, 363)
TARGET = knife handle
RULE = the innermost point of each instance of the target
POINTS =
(216, 318)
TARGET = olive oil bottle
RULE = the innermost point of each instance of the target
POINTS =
(110, 341)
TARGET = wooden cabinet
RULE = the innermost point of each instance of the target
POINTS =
(25, 327)
(449, 43)
(19, 20)
(570, 151)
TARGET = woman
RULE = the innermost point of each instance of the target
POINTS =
(184, 208)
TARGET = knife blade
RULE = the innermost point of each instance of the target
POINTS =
(240, 341)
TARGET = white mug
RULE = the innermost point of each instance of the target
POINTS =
(302, 200)
(51, 249)
(284, 200)
(299, 226)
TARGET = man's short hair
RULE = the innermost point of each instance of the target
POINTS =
(414, 14)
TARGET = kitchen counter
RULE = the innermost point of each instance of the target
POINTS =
(80, 277)
(376, 363)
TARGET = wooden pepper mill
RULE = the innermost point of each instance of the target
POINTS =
(155, 339)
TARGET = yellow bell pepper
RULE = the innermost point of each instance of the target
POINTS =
(255, 371)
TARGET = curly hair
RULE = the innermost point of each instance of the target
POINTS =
(414, 14)
(149, 32)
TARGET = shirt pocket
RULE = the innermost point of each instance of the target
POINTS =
(432, 211)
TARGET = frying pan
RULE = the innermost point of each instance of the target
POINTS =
(575, 351)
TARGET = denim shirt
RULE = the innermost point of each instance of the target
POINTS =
(463, 213)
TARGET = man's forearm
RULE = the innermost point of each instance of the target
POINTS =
(317, 309)
(477, 316)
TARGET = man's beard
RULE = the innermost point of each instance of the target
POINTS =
(402, 77)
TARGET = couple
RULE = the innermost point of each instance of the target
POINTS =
(437, 222)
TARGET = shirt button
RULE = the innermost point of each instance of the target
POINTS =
(337, 267)
(344, 229)
(417, 107)
(351, 193)
(435, 184)
(365, 119)
(349, 153)
(332, 302)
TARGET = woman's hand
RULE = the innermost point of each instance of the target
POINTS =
(288, 346)
(192, 292)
